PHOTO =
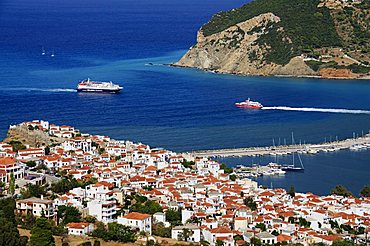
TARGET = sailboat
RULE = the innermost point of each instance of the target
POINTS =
(52, 54)
(43, 51)
(293, 167)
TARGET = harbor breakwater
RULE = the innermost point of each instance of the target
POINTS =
(354, 144)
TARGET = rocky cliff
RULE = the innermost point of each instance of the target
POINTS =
(294, 38)
(33, 138)
(236, 50)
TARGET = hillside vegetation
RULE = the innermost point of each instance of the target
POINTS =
(353, 26)
(307, 25)
(326, 38)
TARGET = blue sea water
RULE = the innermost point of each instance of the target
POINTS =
(178, 109)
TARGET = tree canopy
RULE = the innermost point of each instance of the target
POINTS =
(302, 25)
(173, 216)
(340, 190)
(291, 191)
(226, 168)
(114, 232)
(33, 190)
(342, 243)
(365, 192)
(9, 235)
(145, 206)
(261, 226)
(67, 214)
(250, 203)
(41, 233)
(160, 230)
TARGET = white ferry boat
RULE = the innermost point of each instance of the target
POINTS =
(88, 85)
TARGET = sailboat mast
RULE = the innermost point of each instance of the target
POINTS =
(293, 151)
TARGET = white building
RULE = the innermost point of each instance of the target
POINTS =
(194, 233)
(79, 228)
(104, 211)
(8, 166)
(36, 206)
(267, 238)
(143, 222)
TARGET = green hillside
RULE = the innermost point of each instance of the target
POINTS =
(304, 24)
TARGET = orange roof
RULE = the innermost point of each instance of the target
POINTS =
(151, 168)
(223, 238)
(283, 238)
(78, 225)
(7, 161)
(221, 229)
(267, 193)
(136, 216)
(104, 183)
(241, 218)
(330, 237)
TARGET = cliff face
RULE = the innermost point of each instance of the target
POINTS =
(34, 138)
(237, 50)
(284, 37)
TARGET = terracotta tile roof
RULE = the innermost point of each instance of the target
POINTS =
(136, 216)
(221, 229)
(283, 238)
(78, 225)
(7, 161)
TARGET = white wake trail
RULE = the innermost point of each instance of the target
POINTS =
(322, 110)
(42, 89)
(60, 90)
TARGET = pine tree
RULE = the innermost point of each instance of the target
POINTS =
(291, 191)
(12, 184)
(365, 192)
(9, 235)
(42, 234)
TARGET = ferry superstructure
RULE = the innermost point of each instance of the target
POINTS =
(98, 87)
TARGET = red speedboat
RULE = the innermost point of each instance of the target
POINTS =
(249, 104)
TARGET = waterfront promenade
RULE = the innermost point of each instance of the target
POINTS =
(350, 143)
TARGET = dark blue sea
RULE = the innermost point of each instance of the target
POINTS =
(174, 108)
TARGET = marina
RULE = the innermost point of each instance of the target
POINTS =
(353, 144)
(271, 169)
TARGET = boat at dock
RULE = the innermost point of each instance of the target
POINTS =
(249, 104)
(98, 87)
(256, 170)
(293, 167)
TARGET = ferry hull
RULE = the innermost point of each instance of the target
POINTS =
(109, 91)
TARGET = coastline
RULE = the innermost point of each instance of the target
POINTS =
(365, 77)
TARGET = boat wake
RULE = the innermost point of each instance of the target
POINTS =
(59, 90)
(41, 89)
(321, 110)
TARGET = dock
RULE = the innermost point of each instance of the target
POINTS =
(353, 144)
